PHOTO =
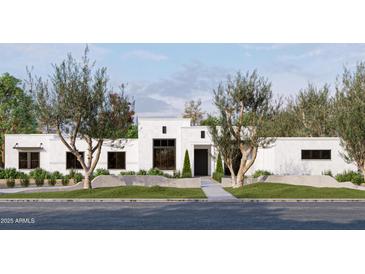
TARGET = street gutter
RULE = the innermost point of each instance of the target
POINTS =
(172, 200)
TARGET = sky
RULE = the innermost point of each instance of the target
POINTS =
(162, 77)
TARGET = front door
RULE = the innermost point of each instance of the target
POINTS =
(201, 162)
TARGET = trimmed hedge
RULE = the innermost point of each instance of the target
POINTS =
(186, 172)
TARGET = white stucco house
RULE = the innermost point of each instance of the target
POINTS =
(162, 143)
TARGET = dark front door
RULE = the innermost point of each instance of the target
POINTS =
(201, 162)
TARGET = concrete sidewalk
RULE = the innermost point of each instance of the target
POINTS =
(215, 192)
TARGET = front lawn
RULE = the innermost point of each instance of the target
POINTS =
(155, 192)
(274, 190)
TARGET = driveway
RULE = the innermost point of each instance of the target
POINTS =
(109, 215)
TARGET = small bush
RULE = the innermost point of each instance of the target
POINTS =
(176, 174)
(10, 182)
(77, 176)
(142, 172)
(346, 176)
(65, 180)
(123, 173)
(52, 180)
(357, 179)
(39, 174)
(9, 173)
(155, 172)
(39, 181)
(217, 176)
(219, 165)
(57, 175)
(101, 171)
(24, 180)
(186, 172)
(259, 173)
(327, 173)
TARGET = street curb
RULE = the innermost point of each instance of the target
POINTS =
(242, 200)
(105, 200)
(245, 200)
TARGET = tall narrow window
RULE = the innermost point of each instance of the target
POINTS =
(164, 130)
(202, 134)
(164, 154)
(116, 160)
(316, 154)
(72, 162)
(28, 160)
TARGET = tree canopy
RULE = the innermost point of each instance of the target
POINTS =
(246, 117)
(194, 112)
(17, 113)
(77, 102)
(349, 115)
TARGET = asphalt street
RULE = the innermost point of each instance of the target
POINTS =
(183, 215)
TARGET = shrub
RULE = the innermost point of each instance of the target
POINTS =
(10, 182)
(259, 173)
(39, 174)
(357, 179)
(77, 176)
(123, 173)
(101, 171)
(217, 176)
(52, 180)
(142, 172)
(155, 172)
(346, 176)
(57, 175)
(186, 172)
(24, 179)
(9, 173)
(65, 180)
(327, 173)
(219, 165)
(176, 174)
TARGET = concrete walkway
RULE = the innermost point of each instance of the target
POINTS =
(215, 192)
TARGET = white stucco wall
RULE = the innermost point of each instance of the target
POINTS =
(151, 128)
(53, 152)
(192, 140)
(284, 157)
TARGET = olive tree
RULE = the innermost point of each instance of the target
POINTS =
(194, 112)
(77, 103)
(246, 121)
(349, 115)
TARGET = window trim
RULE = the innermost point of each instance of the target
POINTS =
(167, 146)
(76, 168)
(125, 160)
(29, 160)
(320, 153)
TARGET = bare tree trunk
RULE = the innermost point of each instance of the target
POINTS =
(2, 163)
(245, 165)
(87, 181)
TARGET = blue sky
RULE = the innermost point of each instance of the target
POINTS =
(162, 77)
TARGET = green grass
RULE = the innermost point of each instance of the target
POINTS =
(155, 192)
(274, 190)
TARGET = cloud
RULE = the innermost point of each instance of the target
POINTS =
(144, 55)
(167, 96)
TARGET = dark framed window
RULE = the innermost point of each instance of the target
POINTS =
(72, 162)
(202, 134)
(316, 154)
(164, 130)
(116, 160)
(164, 154)
(28, 160)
